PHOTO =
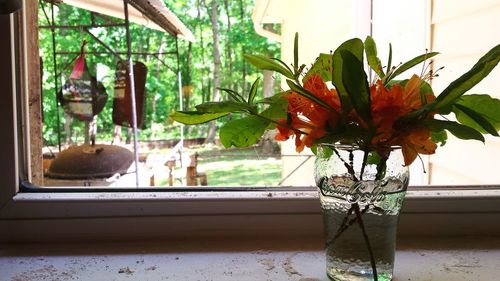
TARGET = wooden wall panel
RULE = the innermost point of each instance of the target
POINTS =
(463, 31)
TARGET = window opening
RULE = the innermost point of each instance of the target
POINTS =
(305, 159)
(83, 97)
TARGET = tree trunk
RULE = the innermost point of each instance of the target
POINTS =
(202, 46)
(129, 136)
(158, 72)
(242, 11)
(244, 72)
(67, 128)
(267, 142)
(215, 30)
(268, 84)
(229, 50)
(117, 134)
(187, 91)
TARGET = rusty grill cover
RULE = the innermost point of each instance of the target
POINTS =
(87, 161)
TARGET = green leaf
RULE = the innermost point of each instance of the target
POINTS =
(283, 64)
(349, 134)
(354, 46)
(276, 98)
(425, 88)
(355, 82)
(299, 71)
(233, 94)
(480, 112)
(323, 151)
(380, 162)
(373, 158)
(484, 125)
(195, 117)
(389, 60)
(371, 56)
(439, 137)
(323, 66)
(243, 132)
(276, 110)
(223, 106)
(468, 80)
(381, 168)
(396, 82)
(409, 64)
(263, 62)
(458, 130)
(296, 51)
(253, 91)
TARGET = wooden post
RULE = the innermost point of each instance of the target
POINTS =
(191, 173)
(203, 179)
(152, 180)
(191, 176)
(34, 91)
(170, 165)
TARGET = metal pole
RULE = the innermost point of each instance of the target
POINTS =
(81, 26)
(132, 91)
(179, 82)
(55, 78)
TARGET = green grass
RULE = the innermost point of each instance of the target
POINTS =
(239, 167)
(234, 167)
(242, 172)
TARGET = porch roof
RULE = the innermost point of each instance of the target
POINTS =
(149, 13)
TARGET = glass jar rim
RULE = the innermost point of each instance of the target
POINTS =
(343, 146)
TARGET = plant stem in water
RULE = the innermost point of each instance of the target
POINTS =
(368, 245)
(346, 223)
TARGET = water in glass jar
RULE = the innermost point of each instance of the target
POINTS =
(347, 254)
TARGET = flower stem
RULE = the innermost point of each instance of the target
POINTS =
(363, 165)
(349, 167)
(367, 241)
(346, 223)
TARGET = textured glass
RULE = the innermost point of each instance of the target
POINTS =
(360, 212)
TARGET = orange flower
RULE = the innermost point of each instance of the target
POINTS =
(388, 105)
(306, 131)
(416, 142)
(317, 86)
(412, 97)
(308, 121)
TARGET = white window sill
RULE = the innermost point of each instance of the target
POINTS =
(279, 214)
(297, 260)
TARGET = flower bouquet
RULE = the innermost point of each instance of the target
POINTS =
(364, 132)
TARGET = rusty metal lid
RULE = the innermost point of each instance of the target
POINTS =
(87, 161)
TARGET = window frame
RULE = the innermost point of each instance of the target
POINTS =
(257, 214)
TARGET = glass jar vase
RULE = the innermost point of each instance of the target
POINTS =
(361, 196)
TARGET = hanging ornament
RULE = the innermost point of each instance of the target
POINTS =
(82, 96)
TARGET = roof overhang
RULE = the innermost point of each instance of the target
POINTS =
(268, 11)
(149, 13)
